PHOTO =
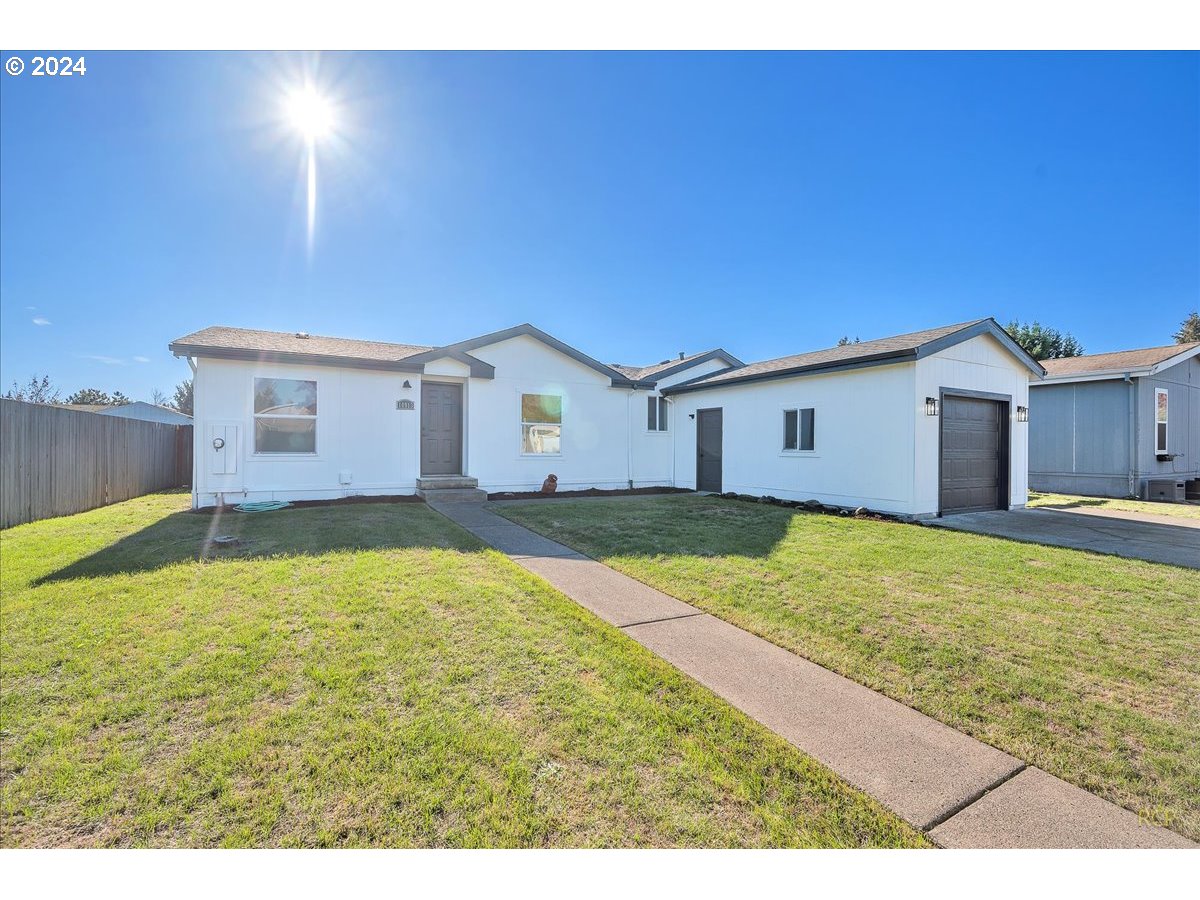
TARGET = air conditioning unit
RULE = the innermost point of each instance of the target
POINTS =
(1166, 489)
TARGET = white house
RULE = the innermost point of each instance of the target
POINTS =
(920, 424)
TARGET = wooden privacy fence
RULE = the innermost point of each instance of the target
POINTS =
(54, 461)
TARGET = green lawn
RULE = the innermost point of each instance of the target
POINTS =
(1070, 501)
(1085, 665)
(360, 676)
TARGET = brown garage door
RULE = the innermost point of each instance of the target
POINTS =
(974, 461)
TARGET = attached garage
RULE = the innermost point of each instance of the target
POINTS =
(923, 424)
(974, 454)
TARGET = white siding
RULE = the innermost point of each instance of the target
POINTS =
(863, 449)
(980, 364)
(654, 451)
(595, 428)
(604, 444)
(358, 428)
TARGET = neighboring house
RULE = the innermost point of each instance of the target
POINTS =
(148, 412)
(298, 416)
(1117, 424)
(138, 409)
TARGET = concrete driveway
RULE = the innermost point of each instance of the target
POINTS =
(1137, 536)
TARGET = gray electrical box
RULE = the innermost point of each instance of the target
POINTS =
(1166, 489)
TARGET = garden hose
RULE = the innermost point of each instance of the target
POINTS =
(262, 506)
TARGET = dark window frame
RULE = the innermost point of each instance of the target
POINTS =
(657, 420)
(800, 429)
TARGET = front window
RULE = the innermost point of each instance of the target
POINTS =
(541, 423)
(1160, 421)
(285, 415)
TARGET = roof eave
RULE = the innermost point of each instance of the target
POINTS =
(684, 365)
(528, 330)
(283, 356)
(984, 326)
(861, 362)
(478, 368)
(1099, 375)
(1175, 360)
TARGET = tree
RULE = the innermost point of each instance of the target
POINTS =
(183, 397)
(158, 398)
(119, 399)
(37, 390)
(90, 397)
(1189, 329)
(1044, 343)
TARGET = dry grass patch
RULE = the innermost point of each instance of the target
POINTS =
(1190, 510)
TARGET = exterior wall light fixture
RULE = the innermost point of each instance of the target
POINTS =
(1022, 413)
(931, 406)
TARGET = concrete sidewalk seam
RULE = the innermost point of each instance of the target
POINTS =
(663, 619)
(975, 798)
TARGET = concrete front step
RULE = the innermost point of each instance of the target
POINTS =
(453, 495)
(446, 482)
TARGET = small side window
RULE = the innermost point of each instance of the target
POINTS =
(1160, 421)
(799, 429)
(656, 413)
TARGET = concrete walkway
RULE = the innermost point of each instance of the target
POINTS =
(1131, 535)
(960, 791)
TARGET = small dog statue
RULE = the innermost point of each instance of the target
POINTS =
(550, 485)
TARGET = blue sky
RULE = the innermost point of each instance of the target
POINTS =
(635, 205)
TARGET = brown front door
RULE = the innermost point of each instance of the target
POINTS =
(441, 428)
(708, 450)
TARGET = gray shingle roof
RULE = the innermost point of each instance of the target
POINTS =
(1122, 359)
(250, 341)
(847, 354)
(638, 373)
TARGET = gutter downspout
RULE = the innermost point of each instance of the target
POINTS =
(195, 438)
(671, 425)
(1133, 434)
(629, 437)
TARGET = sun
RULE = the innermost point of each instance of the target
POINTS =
(309, 113)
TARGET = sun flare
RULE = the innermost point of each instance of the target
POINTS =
(309, 113)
